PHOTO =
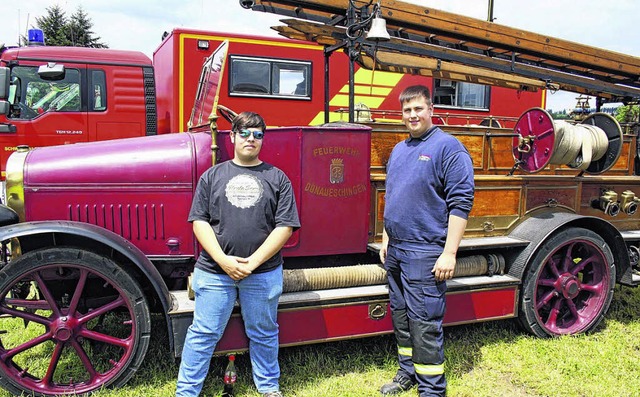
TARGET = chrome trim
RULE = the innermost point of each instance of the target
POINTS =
(630, 235)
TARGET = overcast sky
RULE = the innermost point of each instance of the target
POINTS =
(138, 25)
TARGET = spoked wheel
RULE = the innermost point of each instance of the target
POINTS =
(569, 285)
(71, 322)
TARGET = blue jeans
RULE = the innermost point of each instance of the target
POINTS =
(215, 296)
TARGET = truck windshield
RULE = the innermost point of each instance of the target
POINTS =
(34, 96)
(209, 86)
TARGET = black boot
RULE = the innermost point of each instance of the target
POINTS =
(397, 385)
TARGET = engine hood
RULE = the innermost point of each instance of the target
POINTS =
(162, 159)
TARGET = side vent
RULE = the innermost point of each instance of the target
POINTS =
(150, 101)
(131, 221)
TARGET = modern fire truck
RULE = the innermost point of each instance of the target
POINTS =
(94, 235)
(63, 95)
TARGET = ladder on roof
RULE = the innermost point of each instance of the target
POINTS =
(437, 43)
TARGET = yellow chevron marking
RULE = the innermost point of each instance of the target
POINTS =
(343, 101)
(369, 88)
(389, 79)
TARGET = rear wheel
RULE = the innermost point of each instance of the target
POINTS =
(71, 321)
(569, 284)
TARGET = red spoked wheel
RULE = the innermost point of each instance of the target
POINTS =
(71, 322)
(569, 285)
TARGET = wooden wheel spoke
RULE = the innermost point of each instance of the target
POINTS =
(84, 358)
(47, 294)
(101, 310)
(47, 379)
(108, 339)
(25, 346)
(73, 305)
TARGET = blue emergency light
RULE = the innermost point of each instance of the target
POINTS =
(36, 37)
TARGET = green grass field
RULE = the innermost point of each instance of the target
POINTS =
(490, 359)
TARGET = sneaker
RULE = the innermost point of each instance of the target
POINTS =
(272, 394)
(397, 385)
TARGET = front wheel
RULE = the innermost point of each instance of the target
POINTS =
(71, 322)
(568, 286)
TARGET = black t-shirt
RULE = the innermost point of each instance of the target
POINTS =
(243, 205)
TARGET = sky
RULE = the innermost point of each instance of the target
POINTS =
(139, 24)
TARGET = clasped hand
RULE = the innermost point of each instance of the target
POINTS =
(237, 268)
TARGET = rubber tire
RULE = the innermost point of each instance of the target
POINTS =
(98, 265)
(529, 317)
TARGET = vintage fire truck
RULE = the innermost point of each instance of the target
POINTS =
(94, 235)
(63, 95)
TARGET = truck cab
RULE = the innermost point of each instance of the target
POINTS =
(63, 95)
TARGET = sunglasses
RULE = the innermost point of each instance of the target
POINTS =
(246, 133)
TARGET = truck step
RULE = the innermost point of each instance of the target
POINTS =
(183, 305)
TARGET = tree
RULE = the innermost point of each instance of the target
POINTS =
(80, 30)
(54, 26)
(628, 114)
(59, 30)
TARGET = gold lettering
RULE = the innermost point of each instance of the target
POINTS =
(333, 192)
(331, 150)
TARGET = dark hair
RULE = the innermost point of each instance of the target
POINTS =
(413, 92)
(248, 120)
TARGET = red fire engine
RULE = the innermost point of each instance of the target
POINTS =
(63, 95)
(94, 238)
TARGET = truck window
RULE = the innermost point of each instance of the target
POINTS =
(251, 76)
(98, 96)
(461, 94)
(34, 96)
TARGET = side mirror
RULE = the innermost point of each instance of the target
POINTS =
(4, 82)
(51, 71)
(4, 107)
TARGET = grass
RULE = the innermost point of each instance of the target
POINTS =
(489, 359)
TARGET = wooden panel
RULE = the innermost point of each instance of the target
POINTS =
(378, 210)
(593, 188)
(626, 156)
(382, 143)
(500, 153)
(551, 195)
(475, 147)
(496, 201)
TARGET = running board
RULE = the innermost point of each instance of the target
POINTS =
(354, 312)
(182, 304)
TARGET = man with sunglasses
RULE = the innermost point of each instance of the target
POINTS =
(243, 213)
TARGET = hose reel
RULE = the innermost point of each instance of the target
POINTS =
(592, 146)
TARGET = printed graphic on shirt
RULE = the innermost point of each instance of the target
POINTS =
(244, 191)
(424, 157)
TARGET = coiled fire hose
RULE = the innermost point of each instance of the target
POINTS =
(296, 280)
(577, 145)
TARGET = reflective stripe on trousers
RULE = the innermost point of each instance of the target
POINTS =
(417, 304)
